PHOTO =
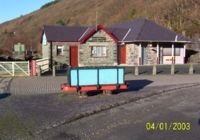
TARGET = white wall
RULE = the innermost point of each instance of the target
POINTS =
(45, 47)
(180, 59)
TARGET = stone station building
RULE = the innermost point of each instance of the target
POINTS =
(137, 42)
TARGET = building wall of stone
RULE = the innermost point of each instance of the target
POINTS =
(85, 51)
(64, 58)
(149, 54)
(132, 54)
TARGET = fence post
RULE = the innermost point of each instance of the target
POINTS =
(29, 68)
(54, 71)
(33, 68)
(13, 69)
(172, 69)
(191, 69)
(154, 70)
(136, 70)
(38, 71)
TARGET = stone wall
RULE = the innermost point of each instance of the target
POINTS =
(149, 55)
(64, 59)
(132, 54)
(85, 51)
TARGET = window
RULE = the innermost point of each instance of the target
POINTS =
(98, 51)
(59, 50)
(19, 47)
(168, 51)
(177, 52)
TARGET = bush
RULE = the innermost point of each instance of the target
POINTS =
(60, 22)
(49, 4)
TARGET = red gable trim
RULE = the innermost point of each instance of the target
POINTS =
(99, 27)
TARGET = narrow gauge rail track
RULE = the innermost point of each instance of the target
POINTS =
(105, 108)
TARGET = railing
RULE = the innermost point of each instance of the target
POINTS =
(163, 69)
(15, 68)
(42, 65)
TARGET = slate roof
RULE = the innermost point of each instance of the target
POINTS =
(142, 30)
(147, 30)
(119, 33)
(64, 33)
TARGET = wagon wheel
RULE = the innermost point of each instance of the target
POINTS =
(107, 92)
(82, 94)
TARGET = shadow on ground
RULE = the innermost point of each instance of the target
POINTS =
(136, 85)
(4, 95)
(133, 85)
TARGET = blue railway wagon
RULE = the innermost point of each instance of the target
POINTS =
(95, 78)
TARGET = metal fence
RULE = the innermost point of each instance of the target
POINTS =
(163, 69)
(16, 68)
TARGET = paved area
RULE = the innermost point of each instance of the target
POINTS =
(49, 85)
(37, 85)
(36, 107)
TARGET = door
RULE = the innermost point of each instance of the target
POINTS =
(73, 56)
(122, 53)
(144, 56)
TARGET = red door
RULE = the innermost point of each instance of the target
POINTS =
(73, 56)
(122, 53)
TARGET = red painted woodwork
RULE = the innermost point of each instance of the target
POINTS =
(158, 60)
(88, 88)
(122, 53)
(94, 30)
(67, 88)
(73, 56)
(33, 68)
(173, 60)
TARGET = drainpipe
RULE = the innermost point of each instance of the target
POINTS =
(184, 54)
(173, 58)
(51, 55)
(140, 54)
(158, 53)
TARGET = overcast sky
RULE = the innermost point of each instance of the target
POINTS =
(10, 9)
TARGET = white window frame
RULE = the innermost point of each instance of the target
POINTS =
(61, 48)
(99, 51)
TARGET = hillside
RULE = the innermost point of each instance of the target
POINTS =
(178, 15)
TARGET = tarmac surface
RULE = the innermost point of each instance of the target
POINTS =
(176, 116)
(38, 110)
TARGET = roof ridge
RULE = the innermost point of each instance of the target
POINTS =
(145, 20)
(127, 33)
(83, 34)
